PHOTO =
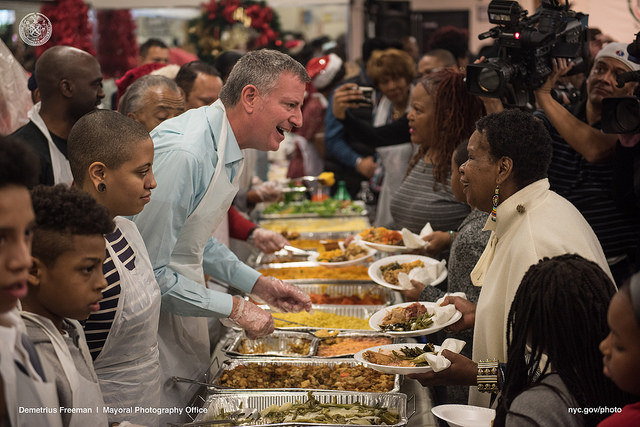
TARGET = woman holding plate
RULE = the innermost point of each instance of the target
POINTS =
(506, 175)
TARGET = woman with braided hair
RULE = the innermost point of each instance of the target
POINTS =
(557, 319)
(442, 115)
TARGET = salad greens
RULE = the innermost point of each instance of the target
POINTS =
(328, 207)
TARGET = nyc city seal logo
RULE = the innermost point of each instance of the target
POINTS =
(35, 29)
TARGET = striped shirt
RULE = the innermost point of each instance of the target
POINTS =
(589, 186)
(416, 202)
(98, 325)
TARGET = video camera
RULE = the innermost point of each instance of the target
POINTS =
(526, 47)
(622, 115)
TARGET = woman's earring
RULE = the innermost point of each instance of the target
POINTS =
(494, 201)
(102, 187)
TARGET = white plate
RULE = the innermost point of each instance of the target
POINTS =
(370, 253)
(376, 319)
(376, 274)
(464, 415)
(401, 370)
(385, 248)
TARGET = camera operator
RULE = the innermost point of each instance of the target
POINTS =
(582, 167)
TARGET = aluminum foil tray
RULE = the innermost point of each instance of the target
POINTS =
(359, 203)
(361, 312)
(360, 334)
(233, 363)
(230, 402)
(348, 289)
(278, 344)
(352, 224)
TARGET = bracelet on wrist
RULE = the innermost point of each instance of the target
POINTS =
(488, 371)
(452, 235)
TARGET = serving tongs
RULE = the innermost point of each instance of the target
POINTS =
(297, 251)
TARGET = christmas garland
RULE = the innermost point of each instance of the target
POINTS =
(71, 26)
(117, 46)
(234, 25)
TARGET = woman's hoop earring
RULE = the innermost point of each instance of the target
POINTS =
(102, 187)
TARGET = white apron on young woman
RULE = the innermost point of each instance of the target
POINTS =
(128, 366)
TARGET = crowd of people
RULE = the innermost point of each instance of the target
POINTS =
(115, 224)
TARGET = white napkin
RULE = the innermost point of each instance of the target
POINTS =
(440, 363)
(425, 275)
(414, 241)
(444, 313)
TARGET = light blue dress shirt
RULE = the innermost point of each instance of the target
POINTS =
(185, 160)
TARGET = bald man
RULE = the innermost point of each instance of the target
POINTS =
(436, 60)
(70, 85)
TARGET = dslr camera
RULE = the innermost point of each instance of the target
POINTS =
(526, 47)
(622, 115)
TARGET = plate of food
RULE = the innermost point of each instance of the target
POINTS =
(414, 319)
(386, 271)
(355, 253)
(399, 359)
(382, 239)
(465, 415)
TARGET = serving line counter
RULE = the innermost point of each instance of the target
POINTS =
(232, 383)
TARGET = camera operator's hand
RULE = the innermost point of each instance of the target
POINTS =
(561, 67)
(346, 96)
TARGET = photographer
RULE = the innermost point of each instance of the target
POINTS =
(582, 167)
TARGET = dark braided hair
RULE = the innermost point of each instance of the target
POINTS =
(560, 310)
(455, 115)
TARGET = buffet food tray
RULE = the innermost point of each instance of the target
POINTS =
(350, 224)
(360, 312)
(230, 364)
(230, 402)
(343, 214)
(278, 344)
(362, 272)
(347, 289)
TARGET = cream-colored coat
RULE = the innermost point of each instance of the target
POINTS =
(531, 224)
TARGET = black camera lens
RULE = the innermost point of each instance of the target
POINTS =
(621, 115)
(489, 80)
(627, 114)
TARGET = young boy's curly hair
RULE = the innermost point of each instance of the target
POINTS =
(61, 213)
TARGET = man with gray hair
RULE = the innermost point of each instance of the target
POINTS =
(151, 100)
(197, 162)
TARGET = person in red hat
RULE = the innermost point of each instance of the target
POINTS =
(325, 72)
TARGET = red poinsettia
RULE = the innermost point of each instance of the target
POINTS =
(117, 46)
(71, 26)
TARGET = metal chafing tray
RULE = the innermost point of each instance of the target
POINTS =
(304, 264)
(359, 334)
(230, 402)
(278, 344)
(361, 312)
(348, 224)
(228, 365)
(336, 288)
(348, 214)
